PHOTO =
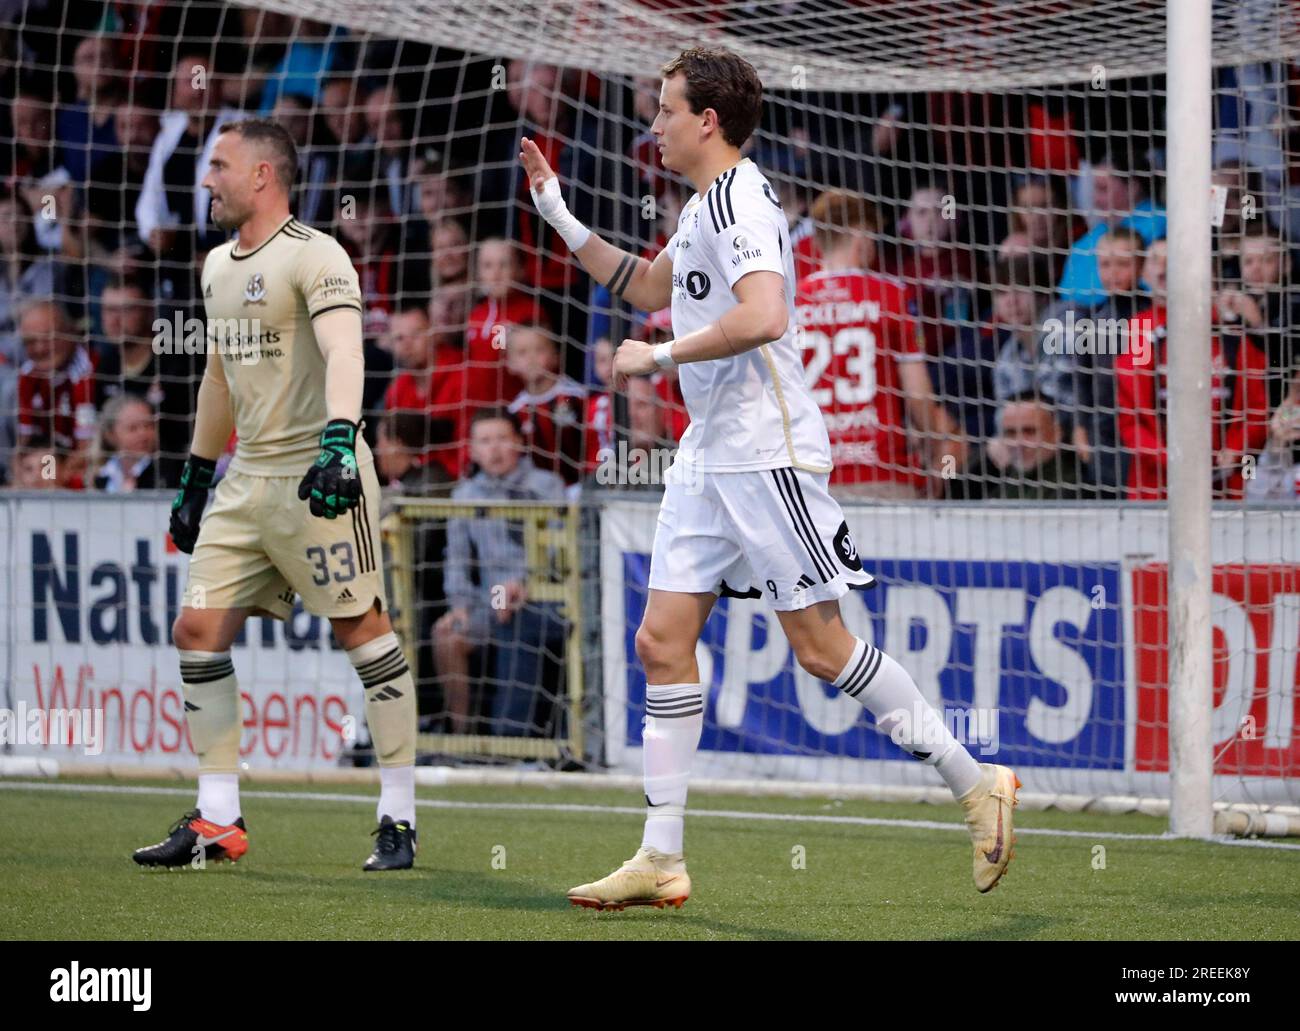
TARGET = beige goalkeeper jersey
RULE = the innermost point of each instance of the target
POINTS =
(260, 306)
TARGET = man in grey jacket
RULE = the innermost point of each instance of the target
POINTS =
(494, 608)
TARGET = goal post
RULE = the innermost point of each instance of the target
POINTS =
(1191, 671)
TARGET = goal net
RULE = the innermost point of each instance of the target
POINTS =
(998, 403)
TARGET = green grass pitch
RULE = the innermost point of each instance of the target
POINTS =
(495, 863)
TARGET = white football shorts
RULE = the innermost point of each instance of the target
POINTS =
(773, 533)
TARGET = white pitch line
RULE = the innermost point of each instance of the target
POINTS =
(623, 810)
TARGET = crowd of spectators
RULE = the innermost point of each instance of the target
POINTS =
(1005, 260)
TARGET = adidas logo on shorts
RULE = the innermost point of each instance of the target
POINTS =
(346, 595)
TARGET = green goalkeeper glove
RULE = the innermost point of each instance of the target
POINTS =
(187, 507)
(332, 482)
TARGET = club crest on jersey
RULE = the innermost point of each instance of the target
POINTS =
(846, 549)
(255, 291)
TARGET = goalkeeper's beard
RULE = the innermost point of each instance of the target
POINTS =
(230, 218)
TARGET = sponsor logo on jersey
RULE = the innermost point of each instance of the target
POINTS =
(744, 252)
(338, 286)
(255, 290)
(695, 283)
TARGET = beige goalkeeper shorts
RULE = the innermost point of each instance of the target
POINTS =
(259, 545)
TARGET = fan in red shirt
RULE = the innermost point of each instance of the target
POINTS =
(504, 304)
(551, 405)
(431, 380)
(1238, 397)
(56, 384)
(862, 359)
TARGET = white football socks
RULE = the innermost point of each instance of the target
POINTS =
(885, 689)
(673, 724)
(219, 797)
(397, 793)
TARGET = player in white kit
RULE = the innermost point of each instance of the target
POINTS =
(746, 505)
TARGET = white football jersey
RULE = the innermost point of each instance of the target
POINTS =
(754, 410)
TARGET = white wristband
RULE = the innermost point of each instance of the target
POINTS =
(550, 203)
(664, 355)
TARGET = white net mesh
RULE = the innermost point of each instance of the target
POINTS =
(1011, 157)
(843, 45)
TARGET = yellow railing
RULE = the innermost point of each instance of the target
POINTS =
(553, 575)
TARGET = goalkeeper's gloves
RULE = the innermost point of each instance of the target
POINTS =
(332, 482)
(551, 206)
(187, 507)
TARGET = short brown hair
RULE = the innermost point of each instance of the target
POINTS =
(837, 213)
(1126, 234)
(275, 138)
(718, 79)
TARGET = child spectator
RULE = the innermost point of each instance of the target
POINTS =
(496, 609)
(1238, 397)
(39, 465)
(129, 436)
(550, 406)
(1264, 308)
(1121, 197)
(504, 304)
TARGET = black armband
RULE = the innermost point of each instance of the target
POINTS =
(622, 275)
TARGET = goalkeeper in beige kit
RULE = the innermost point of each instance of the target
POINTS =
(298, 510)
